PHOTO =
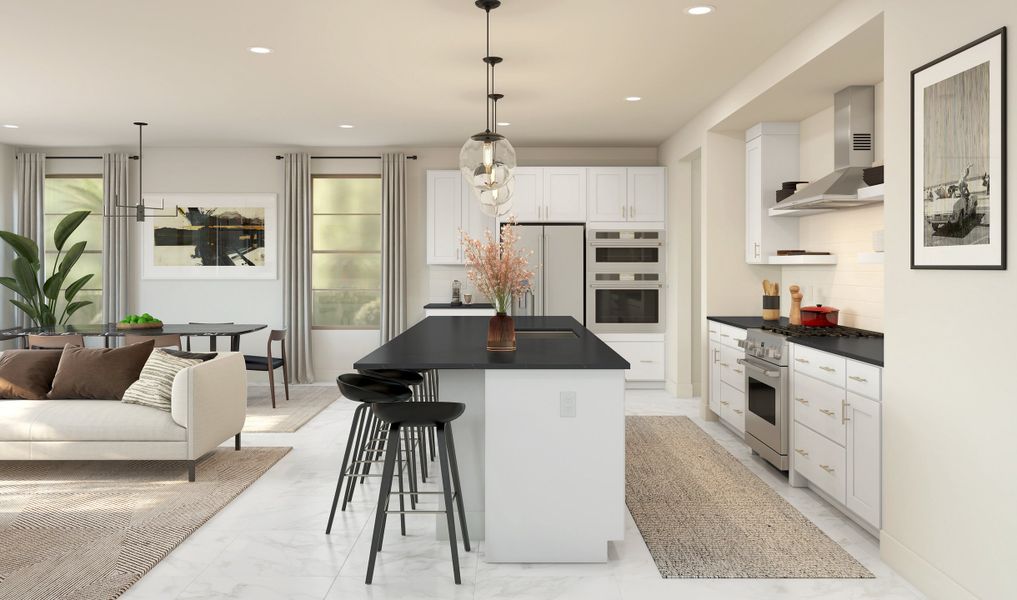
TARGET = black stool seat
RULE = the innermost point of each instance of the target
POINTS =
(403, 376)
(419, 414)
(365, 388)
(261, 363)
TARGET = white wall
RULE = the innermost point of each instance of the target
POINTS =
(949, 431)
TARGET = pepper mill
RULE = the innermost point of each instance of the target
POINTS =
(795, 317)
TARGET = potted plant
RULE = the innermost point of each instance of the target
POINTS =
(500, 271)
(40, 302)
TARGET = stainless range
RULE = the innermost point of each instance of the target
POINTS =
(768, 414)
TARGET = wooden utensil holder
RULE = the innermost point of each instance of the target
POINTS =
(771, 308)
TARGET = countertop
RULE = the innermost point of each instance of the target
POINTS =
(461, 343)
(868, 350)
(458, 306)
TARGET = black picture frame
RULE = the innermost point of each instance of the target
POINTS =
(998, 180)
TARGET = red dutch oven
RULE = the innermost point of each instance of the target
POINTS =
(819, 316)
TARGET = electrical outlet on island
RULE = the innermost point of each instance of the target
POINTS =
(568, 404)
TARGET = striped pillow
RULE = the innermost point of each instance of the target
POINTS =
(155, 386)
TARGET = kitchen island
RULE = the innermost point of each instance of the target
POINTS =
(541, 446)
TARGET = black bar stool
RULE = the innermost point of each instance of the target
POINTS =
(368, 391)
(415, 380)
(421, 414)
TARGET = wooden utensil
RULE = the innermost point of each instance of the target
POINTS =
(795, 316)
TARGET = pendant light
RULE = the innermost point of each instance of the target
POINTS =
(487, 159)
(137, 211)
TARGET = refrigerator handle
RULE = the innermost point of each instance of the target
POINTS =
(543, 273)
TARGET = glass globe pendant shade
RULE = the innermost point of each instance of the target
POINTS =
(498, 211)
(496, 203)
(487, 161)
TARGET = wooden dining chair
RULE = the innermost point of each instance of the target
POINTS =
(166, 340)
(38, 342)
(210, 338)
(270, 363)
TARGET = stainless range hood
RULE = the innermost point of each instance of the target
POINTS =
(854, 124)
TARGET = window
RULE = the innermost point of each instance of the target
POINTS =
(64, 194)
(346, 252)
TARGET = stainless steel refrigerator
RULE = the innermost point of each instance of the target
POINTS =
(559, 271)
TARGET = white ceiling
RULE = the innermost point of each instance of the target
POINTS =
(404, 73)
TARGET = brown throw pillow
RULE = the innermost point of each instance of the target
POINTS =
(27, 374)
(99, 373)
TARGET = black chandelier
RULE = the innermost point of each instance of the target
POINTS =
(137, 211)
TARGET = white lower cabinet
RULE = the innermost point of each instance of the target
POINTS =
(713, 392)
(646, 359)
(732, 407)
(726, 393)
(836, 438)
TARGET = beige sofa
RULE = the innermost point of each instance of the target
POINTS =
(209, 405)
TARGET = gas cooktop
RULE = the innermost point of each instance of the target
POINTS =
(837, 331)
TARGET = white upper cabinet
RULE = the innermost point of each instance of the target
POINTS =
(620, 194)
(444, 217)
(647, 192)
(528, 194)
(771, 158)
(564, 194)
(607, 193)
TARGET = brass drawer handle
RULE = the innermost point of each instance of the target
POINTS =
(647, 361)
(844, 412)
(827, 468)
(724, 335)
(713, 331)
(738, 371)
(801, 360)
(802, 400)
(827, 412)
(736, 410)
(724, 403)
(802, 452)
(858, 379)
(828, 369)
(724, 364)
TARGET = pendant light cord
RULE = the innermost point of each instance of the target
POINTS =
(488, 75)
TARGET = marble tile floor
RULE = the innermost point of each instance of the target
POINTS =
(270, 543)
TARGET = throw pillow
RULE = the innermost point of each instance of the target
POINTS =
(27, 374)
(155, 386)
(99, 373)
(202, 356)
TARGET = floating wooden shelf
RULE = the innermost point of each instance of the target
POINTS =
(873, 193)
(804, 259)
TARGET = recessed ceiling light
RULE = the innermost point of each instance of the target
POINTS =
(503, 123)
(260, 50)
(700, 10)
(10, 126)
(346, 127)
(633, 98)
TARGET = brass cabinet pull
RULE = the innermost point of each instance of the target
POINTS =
(724, 335)
(738, 371)
(827, 412)
(858, 379)
(736, 410)
(724, 364)
(646, 361)
(724, 403)
(828, 369)
(802, 400)
(802, 452)
(844, 406)
(802, 360)
(827, 468)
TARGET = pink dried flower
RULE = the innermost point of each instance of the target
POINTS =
(498, 269)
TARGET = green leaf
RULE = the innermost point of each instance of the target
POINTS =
(73, 289)
(11, 284)
(73, 308)
(71, 258)
(23, 246)
(27, 276)
(52, 286)
(66, 227)
(28, 309)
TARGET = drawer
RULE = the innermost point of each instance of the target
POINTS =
(732, 407)
(731, 372)
(729, 336)
(864, 379)
(646, 359)
(820, 406)
(821, 365)
(713, 328)
(821, 461)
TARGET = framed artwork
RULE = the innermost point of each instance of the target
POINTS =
(958, 158)
(211, 236)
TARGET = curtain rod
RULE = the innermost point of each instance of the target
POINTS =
(83, 157)
(411, 157)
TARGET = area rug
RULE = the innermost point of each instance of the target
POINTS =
(703, 514)
(306, 401)
(89, 530)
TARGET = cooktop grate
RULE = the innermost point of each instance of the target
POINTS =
(837, 331)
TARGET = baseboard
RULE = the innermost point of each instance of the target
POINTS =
(933, 582)
(679, 390)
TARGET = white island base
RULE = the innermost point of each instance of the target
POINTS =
(542, 461)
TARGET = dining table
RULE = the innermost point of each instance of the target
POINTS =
(110, 331)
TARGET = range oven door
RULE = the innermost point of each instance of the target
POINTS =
(631, 251)
(767, 410)
(625, 303)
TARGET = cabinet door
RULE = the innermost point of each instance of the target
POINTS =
(528, 194)
(864, 454)
(564, 194)
(647, 191)
(444, 217)
(714, 370)
(607, 194)
(754, 201)
(646, 359)
(732, 407)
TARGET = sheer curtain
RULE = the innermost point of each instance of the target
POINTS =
(297, 265)
(393, 245)
(28, 208)
(115, 237)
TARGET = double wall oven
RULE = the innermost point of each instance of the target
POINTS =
(625, 279)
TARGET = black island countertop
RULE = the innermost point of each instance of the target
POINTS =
(869, 350)
(478, 305)
(461, 343)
